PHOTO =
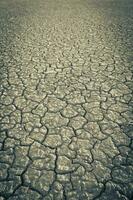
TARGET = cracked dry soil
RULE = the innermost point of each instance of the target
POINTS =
(66, 120)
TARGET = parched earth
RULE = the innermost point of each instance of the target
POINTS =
(66, 103)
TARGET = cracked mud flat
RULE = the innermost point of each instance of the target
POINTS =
(66, 100)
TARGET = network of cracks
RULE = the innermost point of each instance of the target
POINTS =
(66, 121)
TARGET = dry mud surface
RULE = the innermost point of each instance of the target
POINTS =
(66, 120)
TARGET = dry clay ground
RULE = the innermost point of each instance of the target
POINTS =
(66, 121)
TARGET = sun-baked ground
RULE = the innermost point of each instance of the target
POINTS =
(66, 100)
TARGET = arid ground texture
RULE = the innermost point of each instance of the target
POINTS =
(66, 100)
